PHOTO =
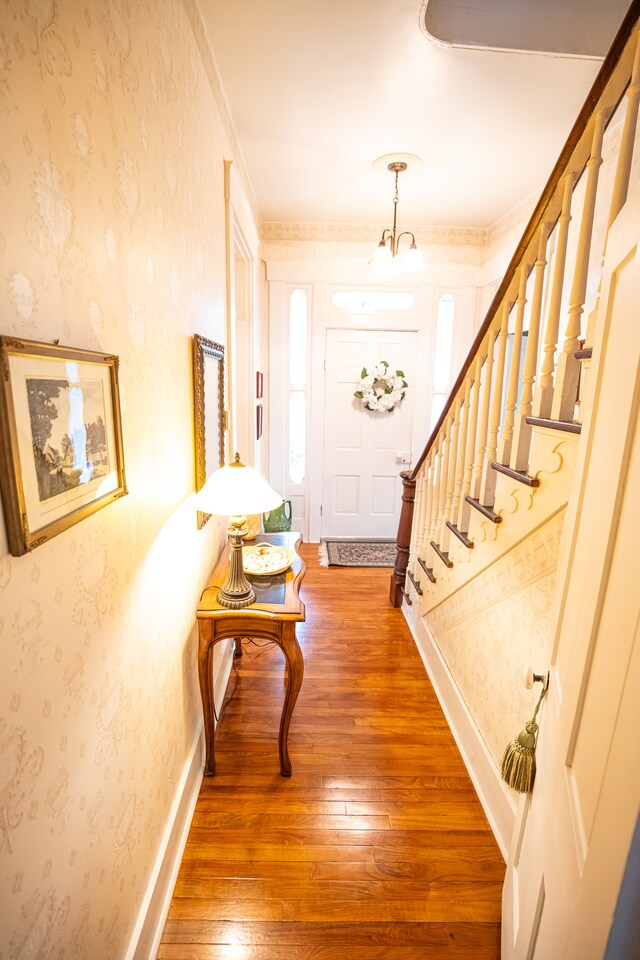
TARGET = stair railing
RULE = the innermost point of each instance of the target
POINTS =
(486, 424)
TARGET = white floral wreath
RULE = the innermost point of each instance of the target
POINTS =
(381, 389)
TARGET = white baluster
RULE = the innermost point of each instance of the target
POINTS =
(544, 391)
(446, 462)
(424, 525)
(522, 432)
(481, 447)
(504, 447)
(464, 429)
(625, 155)
(619, 193)
(433, 522)
(568, 369)
(451, 474)
(418, 517)
(488, 484)
(464, 510)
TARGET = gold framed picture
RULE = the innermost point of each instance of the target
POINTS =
(61, 454)
(208, 408)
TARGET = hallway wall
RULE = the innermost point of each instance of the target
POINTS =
(489, 631)
(114, 131)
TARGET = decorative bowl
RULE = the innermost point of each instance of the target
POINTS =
(265, 559)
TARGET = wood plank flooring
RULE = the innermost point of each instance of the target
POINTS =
(377, 847)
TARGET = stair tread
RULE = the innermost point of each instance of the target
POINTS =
(462, 537)
(444, 556)
(567, 426)
(518, 475)
(585, 354)
(428, 570)
(484, 510)
(416, 583)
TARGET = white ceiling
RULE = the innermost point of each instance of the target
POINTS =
(318, 91)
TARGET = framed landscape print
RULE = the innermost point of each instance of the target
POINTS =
(61, 455)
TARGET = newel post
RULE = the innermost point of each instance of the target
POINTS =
(403, 540)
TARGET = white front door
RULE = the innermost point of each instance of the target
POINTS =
(573, 835)
(364, 451)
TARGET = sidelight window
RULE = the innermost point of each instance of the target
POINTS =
(443, 352)
(298, 332)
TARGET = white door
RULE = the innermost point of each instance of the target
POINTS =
(573, 835)
(364, 451)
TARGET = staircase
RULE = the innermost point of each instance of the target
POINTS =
(484, 507)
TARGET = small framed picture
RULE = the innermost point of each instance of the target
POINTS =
(259, 385)
(61, 455)
(258, 421)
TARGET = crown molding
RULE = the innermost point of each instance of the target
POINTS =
(278, 231)
(199, 31)
(515, 217)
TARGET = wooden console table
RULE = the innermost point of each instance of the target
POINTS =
(273, 616)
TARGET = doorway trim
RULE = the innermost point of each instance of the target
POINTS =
(243, 342)
(320, 279)
(417, 319)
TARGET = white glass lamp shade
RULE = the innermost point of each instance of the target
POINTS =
(412, 260)
(381, 263)
(236, 490)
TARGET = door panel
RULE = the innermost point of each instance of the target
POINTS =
(347, 495)
(361, 485)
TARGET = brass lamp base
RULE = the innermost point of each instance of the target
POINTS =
(237, 591)
(235, 602)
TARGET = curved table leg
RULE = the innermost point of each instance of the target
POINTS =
(295, 672)
(205, 650)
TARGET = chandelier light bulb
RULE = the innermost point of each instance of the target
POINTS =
(382, 263)
(412, 260)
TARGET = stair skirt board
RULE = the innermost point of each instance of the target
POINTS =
(498, 805)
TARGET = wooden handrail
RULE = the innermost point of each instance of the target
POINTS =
(607, 90)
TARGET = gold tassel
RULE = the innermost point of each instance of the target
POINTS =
(519, 760)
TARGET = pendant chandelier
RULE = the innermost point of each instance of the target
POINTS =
(386, 259)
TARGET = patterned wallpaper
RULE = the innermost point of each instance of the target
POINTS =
(494, 627)
(111, 238)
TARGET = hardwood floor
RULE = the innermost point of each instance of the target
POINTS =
(377, 847)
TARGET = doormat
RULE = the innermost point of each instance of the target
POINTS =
(357, 553)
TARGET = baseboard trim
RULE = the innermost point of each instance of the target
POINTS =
(479, 763)
(147, 934)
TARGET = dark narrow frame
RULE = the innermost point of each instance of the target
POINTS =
(204, 352)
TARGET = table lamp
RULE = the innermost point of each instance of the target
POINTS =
(235, 491)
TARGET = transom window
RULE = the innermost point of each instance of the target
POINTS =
(372, 300)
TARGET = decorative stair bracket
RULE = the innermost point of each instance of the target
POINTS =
(403, 540)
